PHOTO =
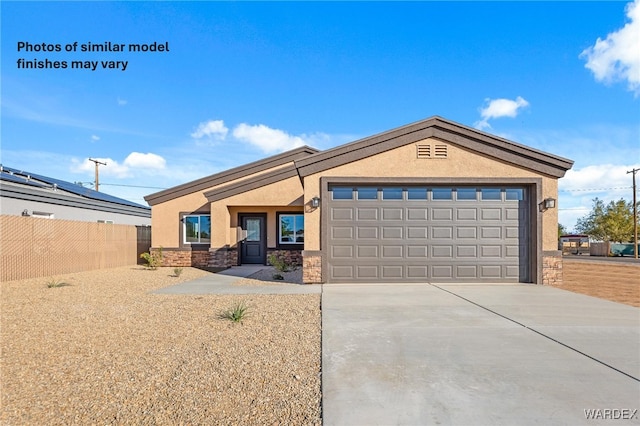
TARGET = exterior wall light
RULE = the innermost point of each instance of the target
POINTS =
(547, 203)
(315, 202)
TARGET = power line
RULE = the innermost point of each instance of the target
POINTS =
(594, 189)
(133, 186)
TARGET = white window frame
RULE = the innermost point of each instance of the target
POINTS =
(184, 229)
(294, 215)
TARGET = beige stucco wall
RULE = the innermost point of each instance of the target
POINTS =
(165, 217)
(402, 163)
(283, 196)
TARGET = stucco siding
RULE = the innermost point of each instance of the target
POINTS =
(402, 162)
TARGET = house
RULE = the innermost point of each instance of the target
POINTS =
(432, 201)
(28, 194)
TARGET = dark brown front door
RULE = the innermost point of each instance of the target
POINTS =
(253, 248)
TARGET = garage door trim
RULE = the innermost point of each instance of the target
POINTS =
(533, 184)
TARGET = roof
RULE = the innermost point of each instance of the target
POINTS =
(33, 183)
(307, 161)
(229, 175)
(445, 130)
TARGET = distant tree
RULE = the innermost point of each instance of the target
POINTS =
(611, 222)
(562, 230)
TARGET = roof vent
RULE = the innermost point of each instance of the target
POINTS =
(424, 150)
(440, 151)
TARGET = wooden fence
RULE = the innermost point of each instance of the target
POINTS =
(35, 247)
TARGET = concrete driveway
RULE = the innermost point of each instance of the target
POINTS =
(477, 354)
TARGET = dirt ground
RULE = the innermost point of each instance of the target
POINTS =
(103, 349)
(618, 282)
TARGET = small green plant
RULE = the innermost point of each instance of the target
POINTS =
(177, 271)
(278, 277)
(237, 313)
(278, 260)
(153, 259)
(53, 283)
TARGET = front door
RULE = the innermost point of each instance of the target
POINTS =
(253, 247)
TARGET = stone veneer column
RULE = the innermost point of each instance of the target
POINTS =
(222, 257)
(552, 267)
(312, 267)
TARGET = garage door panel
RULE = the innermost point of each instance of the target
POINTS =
(367, 232)
(392, 252)
(442, 271)
(367, 251)
(441, 251)
(491, 214)
(392, 232)
(414, 232)
(466, 213)
(367, 213)
(342, 252)
(392, 214)
(490, 271)
(342, 233)
(367, 272)
(392, 272)
(417, 251)
(466, 271)
(341, 272)
(467, 251)
(491, 251)
(488, 232)
(417, 213)
(338, 214)
(442, 232)
(418, 272)
(442, 214)
(467, 232)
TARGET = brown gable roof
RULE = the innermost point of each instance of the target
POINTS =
(448, 131)
(229, 175)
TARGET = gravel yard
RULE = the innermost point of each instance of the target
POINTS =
(103, 350)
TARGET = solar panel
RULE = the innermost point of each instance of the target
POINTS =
(47, 182)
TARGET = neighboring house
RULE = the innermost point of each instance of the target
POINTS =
(433, 201)
(28, 194)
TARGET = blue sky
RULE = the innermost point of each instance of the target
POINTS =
(245, 80)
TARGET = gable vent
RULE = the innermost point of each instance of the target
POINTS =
(424, 151)
(440, 151)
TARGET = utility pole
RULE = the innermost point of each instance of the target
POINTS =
(104, 164)
(635, 215)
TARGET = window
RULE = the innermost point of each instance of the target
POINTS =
(105, 221)
(43, 215)
(392, 193)
(466, 193)
(291, 229)
(197, 229)
(515, 194)
(367, 193)
(417, 193)
(490, 193)
(441, 194)
(342, 193)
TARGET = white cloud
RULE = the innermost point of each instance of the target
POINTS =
(212, 129)
(122, 102)
(267, 139)
(579, 187)
(496, 108)
(95, 138)
(135, 163)
(617, 57)
(139, 160)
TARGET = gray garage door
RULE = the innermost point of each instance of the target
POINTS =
(434, 234)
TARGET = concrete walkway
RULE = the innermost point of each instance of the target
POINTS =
(476, 354)
(223, 283)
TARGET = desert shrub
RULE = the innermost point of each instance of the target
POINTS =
(153, 259)
(177, 271)
(236, 313)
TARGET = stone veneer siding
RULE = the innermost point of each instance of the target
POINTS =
(291, 257)
(552, 268)
(312, 267)
(222, 257)
(178, 257)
